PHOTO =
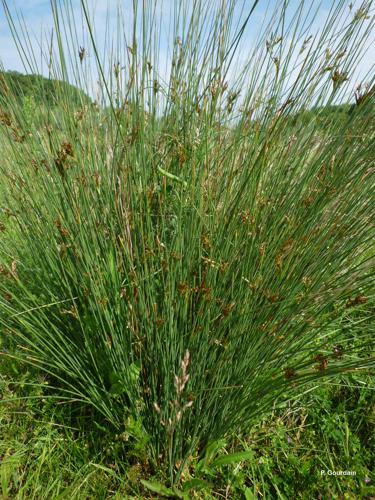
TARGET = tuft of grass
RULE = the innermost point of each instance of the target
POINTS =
(185, 252)
(45, 456)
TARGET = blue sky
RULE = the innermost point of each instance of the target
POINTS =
(38, 19)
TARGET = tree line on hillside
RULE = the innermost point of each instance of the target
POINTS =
(47, 91)
(42, 90)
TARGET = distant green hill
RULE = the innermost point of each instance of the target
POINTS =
(324, 115)
(41, 89)
(332, 115)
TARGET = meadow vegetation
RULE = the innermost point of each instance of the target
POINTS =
(187, 261)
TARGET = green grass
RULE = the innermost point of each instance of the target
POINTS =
(327, 429)
(187, 257)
